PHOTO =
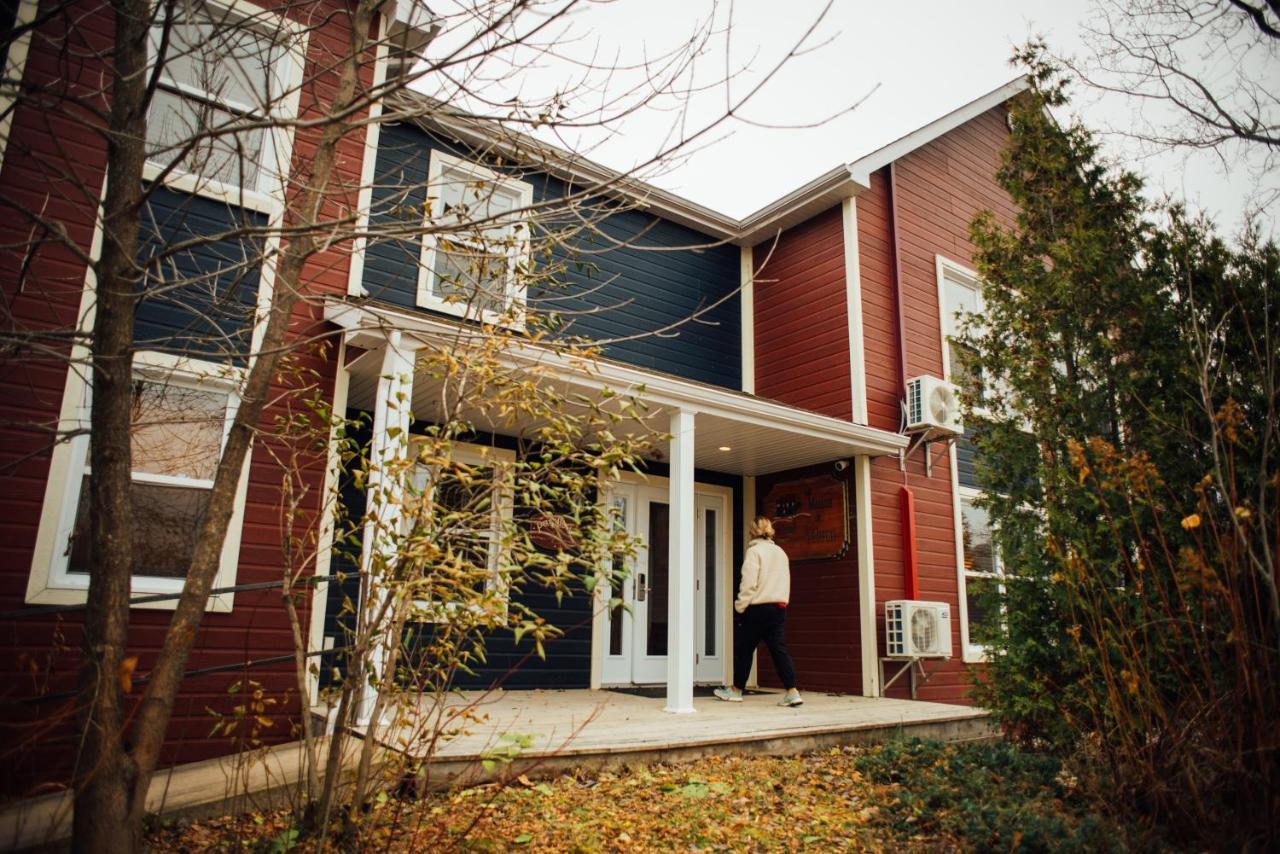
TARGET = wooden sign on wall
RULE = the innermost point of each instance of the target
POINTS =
(553, 532)
(810, 516)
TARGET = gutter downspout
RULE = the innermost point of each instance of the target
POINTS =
(906, 499)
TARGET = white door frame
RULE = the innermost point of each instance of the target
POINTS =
(630, 667)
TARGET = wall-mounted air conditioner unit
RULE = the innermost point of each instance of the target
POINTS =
(933, 406)
(917, 629)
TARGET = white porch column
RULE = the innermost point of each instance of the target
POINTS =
(866, 578)
(681, 592)
(390, 443)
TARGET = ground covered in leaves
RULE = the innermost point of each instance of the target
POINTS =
(914, 795)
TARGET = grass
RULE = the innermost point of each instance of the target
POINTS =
(906, 795)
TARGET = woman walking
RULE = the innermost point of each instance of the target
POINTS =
(762, 611)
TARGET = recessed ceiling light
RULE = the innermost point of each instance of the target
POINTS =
(725, 448)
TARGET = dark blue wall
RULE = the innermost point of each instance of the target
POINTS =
(509, 664)
(198, 300)
(664, 274)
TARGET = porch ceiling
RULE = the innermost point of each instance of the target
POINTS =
(762, 436)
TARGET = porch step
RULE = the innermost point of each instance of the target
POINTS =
(567, 730)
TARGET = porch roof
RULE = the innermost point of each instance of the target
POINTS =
(761, 436)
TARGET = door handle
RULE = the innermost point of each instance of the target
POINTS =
(641, 588)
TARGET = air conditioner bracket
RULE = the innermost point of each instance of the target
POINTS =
(922, 441)
(909, 665)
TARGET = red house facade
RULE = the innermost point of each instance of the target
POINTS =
(826, 303)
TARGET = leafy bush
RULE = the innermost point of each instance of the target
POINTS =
(986, 796)
(1129, 417)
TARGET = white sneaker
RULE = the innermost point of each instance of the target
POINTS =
(729, 695)
(791, 698)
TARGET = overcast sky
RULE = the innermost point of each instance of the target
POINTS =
(913, 62)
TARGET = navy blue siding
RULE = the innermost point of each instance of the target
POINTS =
(508, 664)
(663, 278)
(398, 201)
(198, 300)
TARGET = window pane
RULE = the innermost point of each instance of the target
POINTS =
(976, 528)
(964, 374)
(616, 614)
(464, 505)
(177, 430)
(709, 583)
(474, 199)
(658, 566)
(961, 299)
(175, 123)
(229, 60)
(982, 601)
(165, 520)
(470, 276)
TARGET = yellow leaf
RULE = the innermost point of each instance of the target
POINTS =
(127, 666)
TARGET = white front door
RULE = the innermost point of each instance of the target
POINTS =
(635, 648)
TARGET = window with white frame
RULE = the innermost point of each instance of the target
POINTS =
(978, 562)
(229, 70)
(961, 295)
(982, 574)
(180, 415)
(469, 498)
(477, 241)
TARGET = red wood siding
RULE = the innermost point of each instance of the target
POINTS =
(802, 358)
(822, 617)
(940, 188)
(801, 325)
(39, 656)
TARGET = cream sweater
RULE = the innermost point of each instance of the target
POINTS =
(766, 575)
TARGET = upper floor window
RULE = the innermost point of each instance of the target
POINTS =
(477, 241)
(227, 83)
(960, 293)
(182, 409)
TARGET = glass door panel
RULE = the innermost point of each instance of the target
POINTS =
(658, 564)
(709, 566)
(636, 639)
(617, 658)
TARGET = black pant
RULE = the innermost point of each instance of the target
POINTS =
(767, 623)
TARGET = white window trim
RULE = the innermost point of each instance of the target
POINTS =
(50, 583)
(515, 288)
(14, 65)
(269, 195)
(973, 652)
(948, 269)
(502, 514)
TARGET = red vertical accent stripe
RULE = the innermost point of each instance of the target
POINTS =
(910, 572)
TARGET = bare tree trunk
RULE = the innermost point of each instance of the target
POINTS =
(104, 773)
(165, 679)
(386, 689)
(289, 591)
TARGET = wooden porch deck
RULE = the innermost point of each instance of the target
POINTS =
(558, 730)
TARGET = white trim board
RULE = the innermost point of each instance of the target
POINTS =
(367, 326)
(15, 65)
(823, 192)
